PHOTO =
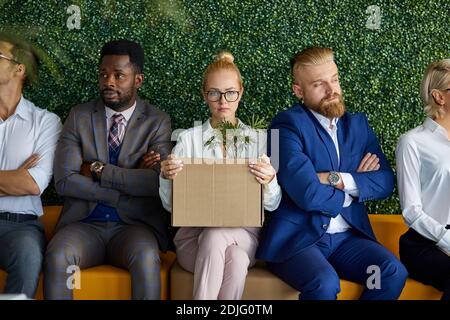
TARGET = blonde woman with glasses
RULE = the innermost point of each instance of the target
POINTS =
(218, 257)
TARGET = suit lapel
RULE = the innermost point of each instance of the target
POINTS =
(326, 139)
(131, 136)
(99, 128)
(344, 144)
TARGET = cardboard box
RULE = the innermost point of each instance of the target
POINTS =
(217, 193)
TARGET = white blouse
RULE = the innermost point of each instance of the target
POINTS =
(193, 143)
(423, 175)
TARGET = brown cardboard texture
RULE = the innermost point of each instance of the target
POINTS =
(217, 193)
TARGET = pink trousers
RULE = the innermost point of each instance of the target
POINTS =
(219, 259)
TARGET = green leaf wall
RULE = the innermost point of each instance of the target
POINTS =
(380, 69)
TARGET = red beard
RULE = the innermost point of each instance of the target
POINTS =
(331, 109)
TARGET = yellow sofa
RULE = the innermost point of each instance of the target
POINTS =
(102, 282)
(109, 283)
(263, 285)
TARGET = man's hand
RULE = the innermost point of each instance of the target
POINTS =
(85, 170)
(149, 160)
(370, 162)
(30, 162)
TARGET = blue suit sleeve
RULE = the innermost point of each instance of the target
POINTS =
(374, 185)
(297, 175)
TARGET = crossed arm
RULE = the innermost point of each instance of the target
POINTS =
(33, 176)
(370, 162)
(19, 182)
(311, 191)
(73, 175)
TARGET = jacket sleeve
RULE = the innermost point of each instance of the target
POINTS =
(66, 167)
(374, 185)
(297, 175)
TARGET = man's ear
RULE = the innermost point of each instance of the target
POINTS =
(138, 80)
(298, 91)
(21, 71)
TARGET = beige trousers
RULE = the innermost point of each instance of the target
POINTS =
(219, 259)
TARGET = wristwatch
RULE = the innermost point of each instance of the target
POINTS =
(334, 178)
(96, 169)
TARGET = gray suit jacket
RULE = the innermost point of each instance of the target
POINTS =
(133, 192)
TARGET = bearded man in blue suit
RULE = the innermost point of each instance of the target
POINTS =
(330, 163)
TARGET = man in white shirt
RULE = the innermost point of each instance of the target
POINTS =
(28, 137)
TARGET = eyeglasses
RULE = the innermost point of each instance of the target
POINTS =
(215, 95)
(2, 56)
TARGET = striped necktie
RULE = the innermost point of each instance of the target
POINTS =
(113, 137)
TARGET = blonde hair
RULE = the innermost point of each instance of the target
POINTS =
(224, 60)
(311, 56)
(436, 77)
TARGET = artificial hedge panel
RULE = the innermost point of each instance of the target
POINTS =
(380, 65)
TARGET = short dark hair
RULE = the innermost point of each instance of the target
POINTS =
(126, 48)
(24, 53)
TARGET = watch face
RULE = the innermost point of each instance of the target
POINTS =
(333, 178)
(96, 166)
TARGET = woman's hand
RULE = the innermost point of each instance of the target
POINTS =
(263, 170)
(171, 167)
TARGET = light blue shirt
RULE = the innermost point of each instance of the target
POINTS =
(30, 130)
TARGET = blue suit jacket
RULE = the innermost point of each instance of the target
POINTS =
(307, 206)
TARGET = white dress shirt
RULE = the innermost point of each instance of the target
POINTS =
(191, 144)
(423, 176)
(338, 224)
(30, 130)
(123, 125)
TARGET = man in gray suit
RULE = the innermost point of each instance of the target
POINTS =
(107, 169)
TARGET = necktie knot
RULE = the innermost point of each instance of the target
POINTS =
(118, 118)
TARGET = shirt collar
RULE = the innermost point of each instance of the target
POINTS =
(435, 127)
(23, 109)
(126, 114)
(324, 121)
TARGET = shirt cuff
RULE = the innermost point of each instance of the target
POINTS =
(350, 186)
(348, 200)
(271, 187)
(165, 193)
(444, 243)
(165, 183)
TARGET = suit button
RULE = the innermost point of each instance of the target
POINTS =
(325, 226)
(107, 216)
